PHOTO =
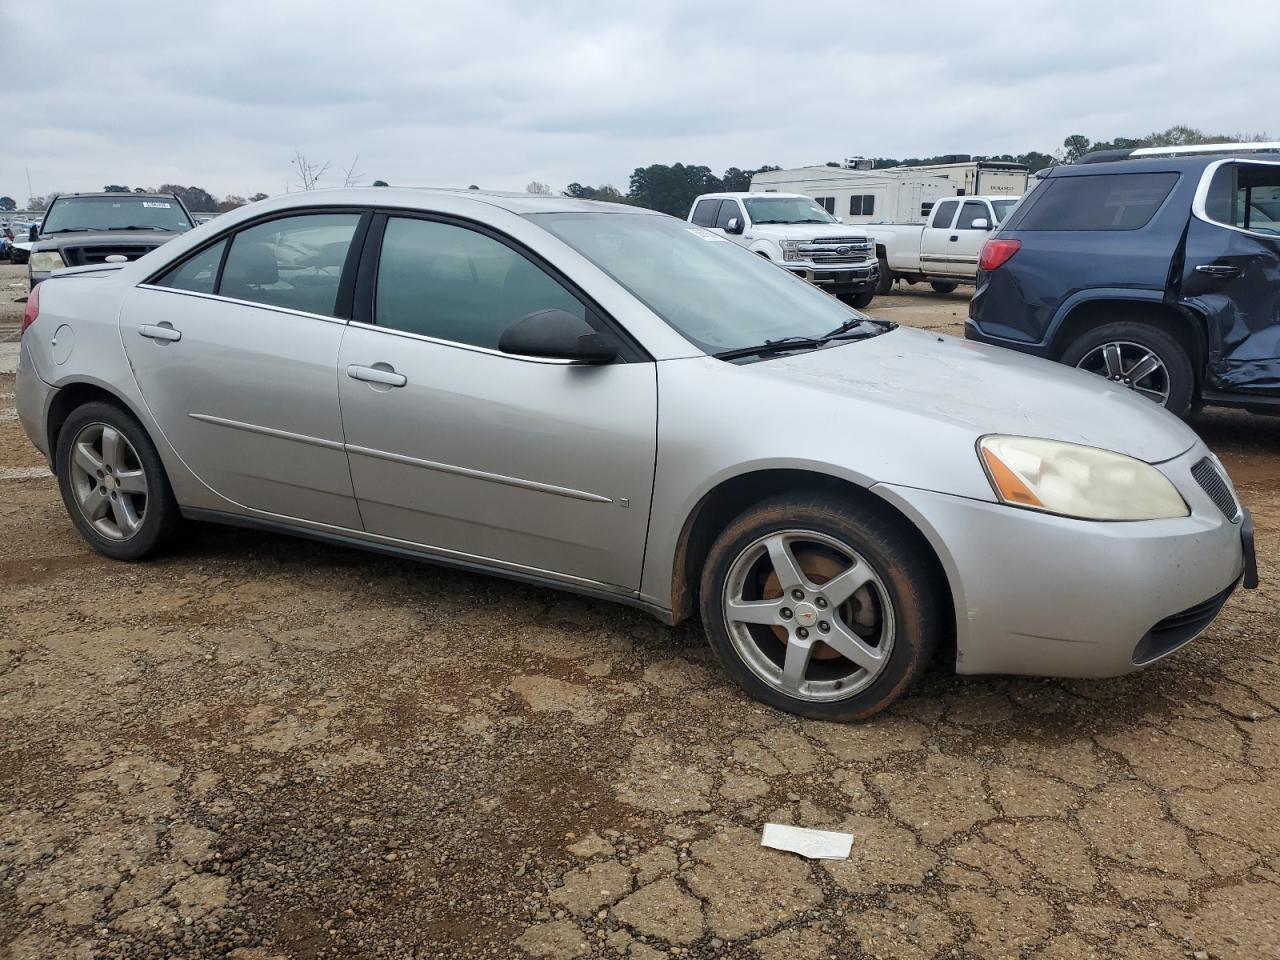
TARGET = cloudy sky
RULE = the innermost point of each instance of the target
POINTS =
(221, 93)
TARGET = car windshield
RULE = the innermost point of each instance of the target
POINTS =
(1003, 208)
(115, 213)
(715, 293)
(786, 210)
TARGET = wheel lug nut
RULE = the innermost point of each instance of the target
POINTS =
(824, 626)
(785, 612)
(822, 603)
(802, 633)
(797, 594)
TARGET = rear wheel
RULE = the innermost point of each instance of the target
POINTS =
(943, 286)
(113, 483)
(818, 609)
(1140, 356)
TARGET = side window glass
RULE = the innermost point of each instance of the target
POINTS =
(1246, 196)
(971, 211)
(944, 213)
(728, 210)
(197, 274)
(862, 205)
(294, 262)
(704, 214)
(448, 282)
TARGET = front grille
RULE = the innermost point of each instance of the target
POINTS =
(86, 256)
(823, 250)
(1172, 632)
(855, 257)
(844, 241)
(1217, 487)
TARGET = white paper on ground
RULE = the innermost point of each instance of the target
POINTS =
(814, 844)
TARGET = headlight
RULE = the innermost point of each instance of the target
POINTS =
(1075, 481)
(44, 262)
(790, 249)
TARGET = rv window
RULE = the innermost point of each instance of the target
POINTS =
(862, 205)
(828, 203)
(924, 210)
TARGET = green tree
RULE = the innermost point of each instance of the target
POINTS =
(195, 199)
(8, 203)
(1076, 146)
(671, 189)
(114, 188)
(259, 196)
(605, 192)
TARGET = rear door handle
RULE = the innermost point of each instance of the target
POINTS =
(160, 331)
(383, 373)
(1218, 270)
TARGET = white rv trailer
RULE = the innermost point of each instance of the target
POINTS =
(992, 178)
(857, 194)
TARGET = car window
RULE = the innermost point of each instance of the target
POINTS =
(197, 274)
(448, 282)
(1112, 201)
(971, 211)
(728, 211)
(294, 262)
(704, 214)
(1246, 196)
(944, 213)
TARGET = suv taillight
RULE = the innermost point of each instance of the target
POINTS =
(33, 309)
(996, 253)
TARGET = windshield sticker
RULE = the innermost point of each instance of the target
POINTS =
(705, 234)
(157, 205)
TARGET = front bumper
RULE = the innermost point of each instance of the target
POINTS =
(856, 278)
(1050, 596)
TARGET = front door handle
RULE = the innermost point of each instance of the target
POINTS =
(1221, 270)
(954, 238)
(160, 331)
(382, 373)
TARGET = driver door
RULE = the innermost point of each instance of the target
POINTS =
(539, 465)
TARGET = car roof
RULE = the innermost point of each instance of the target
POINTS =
(420, 198)
(743, 194)
(117, 194)
(1130, 161)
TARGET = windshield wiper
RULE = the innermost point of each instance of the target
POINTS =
(770, 346)
(49, 233)
(849, 329)
(136, 227)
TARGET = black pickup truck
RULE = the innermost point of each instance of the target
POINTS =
(85, 229)
(1158, 269)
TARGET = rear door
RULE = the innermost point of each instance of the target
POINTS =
(937, 240)
(235, 351)
(538, 465)
(1232, 273)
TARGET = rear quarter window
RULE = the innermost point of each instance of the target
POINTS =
(1110, 201)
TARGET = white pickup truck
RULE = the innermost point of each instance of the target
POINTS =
(944, 251)
(795, 232)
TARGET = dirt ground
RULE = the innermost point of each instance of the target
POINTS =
(263, 748)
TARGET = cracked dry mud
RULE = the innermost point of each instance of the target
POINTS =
(263, 748)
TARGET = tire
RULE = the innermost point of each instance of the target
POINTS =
(896, 613)
(1173, 386)
(943, 286)
(135, 463)
(885, 284)
(860, 301)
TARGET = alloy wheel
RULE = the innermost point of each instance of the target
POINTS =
(808, 615)
(108, 481)
(1131, 365)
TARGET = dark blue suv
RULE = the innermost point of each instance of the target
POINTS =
(1159, 272)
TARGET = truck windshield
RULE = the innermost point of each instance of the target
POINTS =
(1002, 208)
(716, 294)
(75, 214)
(786, 210)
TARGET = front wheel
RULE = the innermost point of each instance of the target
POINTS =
(885, 283)
(1140, 356)
(943, 286)
(859, 301)
(113, 483)
(818, 608)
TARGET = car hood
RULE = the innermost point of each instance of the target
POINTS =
(107, 238)
(982, 390)
(807, 231)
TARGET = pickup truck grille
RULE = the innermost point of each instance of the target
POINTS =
(87, 256)
(838, 250)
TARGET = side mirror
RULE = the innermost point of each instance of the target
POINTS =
(982, 224)
(733, 226)
(34, 233)
(557, 335)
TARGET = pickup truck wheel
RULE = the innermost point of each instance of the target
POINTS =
(859, 300)
(943, 286)
(1140, 356)
(885, 284)
(818, 608)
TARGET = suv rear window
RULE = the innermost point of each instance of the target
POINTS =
(1111, 201)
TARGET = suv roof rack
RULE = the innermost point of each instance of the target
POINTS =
(1103, 156)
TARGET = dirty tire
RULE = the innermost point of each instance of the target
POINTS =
(885, 283)
(1182, 378)
(860, 301)
(906, 575)
(943, 286)
(161, 518)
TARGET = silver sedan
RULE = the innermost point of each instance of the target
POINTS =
(607, 400)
